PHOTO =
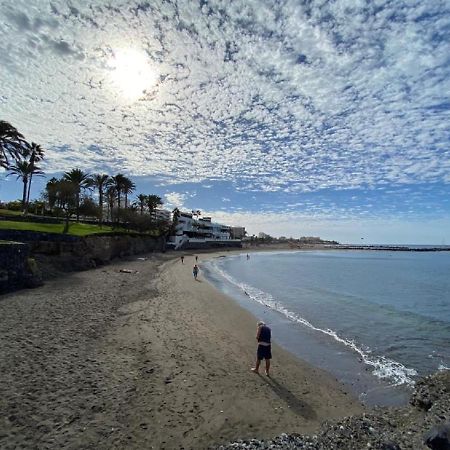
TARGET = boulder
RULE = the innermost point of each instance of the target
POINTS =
(438, 438)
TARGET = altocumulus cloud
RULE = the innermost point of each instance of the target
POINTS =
(272, 96)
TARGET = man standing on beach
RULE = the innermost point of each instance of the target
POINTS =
(182, 260)
(263, 336)
(195, 271)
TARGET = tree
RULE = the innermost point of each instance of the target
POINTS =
(111, 195)
(127, 188)
(88, 207)
(175, 219)
(153, 201)
(142, 200)
(11, 142)
(100, 181)
(80, 180)
(67, 198)
(50, 192)
(118, 182)
(36, 154)
(24, 170)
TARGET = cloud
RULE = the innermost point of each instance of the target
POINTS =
(175, 200)
(272, 97)
(344, 230)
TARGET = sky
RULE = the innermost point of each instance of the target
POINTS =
(293, 118)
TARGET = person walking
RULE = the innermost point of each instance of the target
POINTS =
(195, 271)
(264, 351)
(182, 260)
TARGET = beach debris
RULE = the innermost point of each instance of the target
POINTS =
(142, 259)
(128, 271)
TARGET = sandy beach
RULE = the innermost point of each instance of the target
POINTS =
(149, 358)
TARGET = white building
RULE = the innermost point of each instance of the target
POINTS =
(161, 214)
(201, 232)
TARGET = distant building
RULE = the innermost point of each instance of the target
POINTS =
(238, 232)
(162, 214)
(201, 232)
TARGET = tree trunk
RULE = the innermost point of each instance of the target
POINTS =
(100, 204)
(29, 189)
(24, 195)
(77, 199)
(118, 208)
(66, 223)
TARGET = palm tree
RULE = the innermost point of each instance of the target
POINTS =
(142, 200)
(36, 154)
(175, 220)
(100, 181)
(111, 195)
(23, 169)
(127, 188)
(153, 201)
(81, 180)
(118, 183)
(11, 142)
(50, 192)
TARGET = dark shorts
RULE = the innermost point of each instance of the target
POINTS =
(264, 352)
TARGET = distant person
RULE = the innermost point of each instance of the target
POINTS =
(196, 258)
(248, 256)
(263, 336)
(182, 260)
(195, 271)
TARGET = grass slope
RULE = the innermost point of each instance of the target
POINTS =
(75, 229)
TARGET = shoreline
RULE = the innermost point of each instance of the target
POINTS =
(148, 358)
(321, 350)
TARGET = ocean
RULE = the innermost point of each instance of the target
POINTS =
(375, 320)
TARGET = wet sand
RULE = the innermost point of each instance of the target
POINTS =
(149, 359)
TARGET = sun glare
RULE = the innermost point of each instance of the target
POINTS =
(132, 73)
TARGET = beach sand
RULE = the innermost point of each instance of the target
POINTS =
(149, 359)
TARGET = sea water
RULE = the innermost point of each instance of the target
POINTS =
(376, 320)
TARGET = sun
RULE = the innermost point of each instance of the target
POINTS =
(132, 73)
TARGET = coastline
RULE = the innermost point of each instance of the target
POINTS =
(148, 358)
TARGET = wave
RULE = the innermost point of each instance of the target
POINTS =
(383, 367)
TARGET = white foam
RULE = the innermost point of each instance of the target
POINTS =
(383, 367)
(442, 367)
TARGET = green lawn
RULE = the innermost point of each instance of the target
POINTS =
(75, 229)
(7, 212)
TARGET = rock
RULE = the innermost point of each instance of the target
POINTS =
(438, 438)
(389, 446)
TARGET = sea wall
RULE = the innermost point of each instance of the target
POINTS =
(210, 245)
(16, 268)
(56, 253)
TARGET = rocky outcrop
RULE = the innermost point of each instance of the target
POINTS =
(421, 424)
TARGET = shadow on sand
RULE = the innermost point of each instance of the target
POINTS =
(298, 406)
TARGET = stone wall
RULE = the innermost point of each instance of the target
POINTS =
(91, 251)
(16, 268)
(56, 253)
